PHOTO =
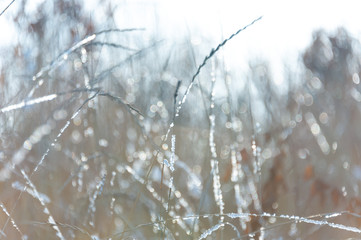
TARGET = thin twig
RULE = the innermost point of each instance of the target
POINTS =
(7, 7)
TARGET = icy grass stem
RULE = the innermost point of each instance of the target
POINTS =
(180, 103)
(218, 226)
(171, 168)
(46, 211)
(236, 178)
(98, 190)
(247, 216)
(157, 197)
(205, 60)
(38, 77)
(218, 196)
(45, 154)
(12, 222)
(28, 103)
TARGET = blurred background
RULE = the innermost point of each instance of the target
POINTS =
(92, 147)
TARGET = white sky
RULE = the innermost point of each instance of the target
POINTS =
(285, 30)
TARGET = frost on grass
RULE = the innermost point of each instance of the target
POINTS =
(92, 198)
(28, 103)
(46, 211)
(86, 142)
(302, 219)
(23, 237)
(217, 191)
